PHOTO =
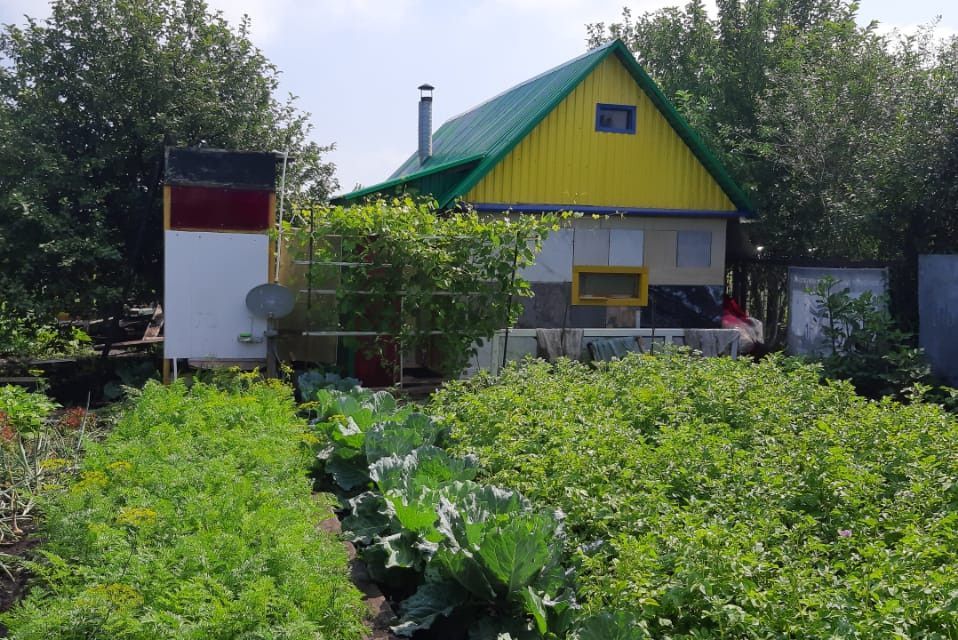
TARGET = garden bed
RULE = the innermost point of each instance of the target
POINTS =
(721, 498)
(456, 558)
(193, 518)
(40, 447)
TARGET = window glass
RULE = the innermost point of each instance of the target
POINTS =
(608, 285)
(615, 118)
(693, 249)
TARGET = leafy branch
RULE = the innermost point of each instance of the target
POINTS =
(427, 280)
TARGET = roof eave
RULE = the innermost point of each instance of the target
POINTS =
(609, 210)
(395, 182)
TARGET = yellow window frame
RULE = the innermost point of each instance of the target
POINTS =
(641, 301)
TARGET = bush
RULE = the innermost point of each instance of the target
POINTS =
(193, 519)
(714, 498)
(864, 344)
(24, 336)
(432, 280)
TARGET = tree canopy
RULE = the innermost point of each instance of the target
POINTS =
(89, 98)
(846, 137)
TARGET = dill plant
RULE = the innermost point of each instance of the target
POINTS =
(193, 519)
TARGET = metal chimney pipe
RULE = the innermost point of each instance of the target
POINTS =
(425, 122)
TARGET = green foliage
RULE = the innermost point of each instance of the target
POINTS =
(617, 625)
(432, 280)
(193, 519)
(36, 448)
(23, 337)
(23, 411)
(129, 375)
(344, 420)
(478, 553)
(309, 382)
(718, 498)
(845, 137)
(88, 100)
(864, 344)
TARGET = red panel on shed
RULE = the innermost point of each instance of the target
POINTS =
(219, 209)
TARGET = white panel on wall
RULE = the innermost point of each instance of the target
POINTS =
(693, 249)
(805, 327)
(554, 262)
(591, 247)
(207, 276)
(626, 247)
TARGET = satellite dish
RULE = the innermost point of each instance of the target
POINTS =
(270, 301)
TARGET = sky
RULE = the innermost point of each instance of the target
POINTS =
(355, 64)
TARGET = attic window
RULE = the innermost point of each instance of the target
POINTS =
(615, 118)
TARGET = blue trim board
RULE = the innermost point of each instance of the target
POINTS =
(607, 211)
(630, 117)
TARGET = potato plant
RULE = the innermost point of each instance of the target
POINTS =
(714, 498)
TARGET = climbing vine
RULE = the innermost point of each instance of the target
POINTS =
(430, 281)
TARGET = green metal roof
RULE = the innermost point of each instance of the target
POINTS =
(485, 134)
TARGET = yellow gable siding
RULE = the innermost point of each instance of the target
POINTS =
(564, 160)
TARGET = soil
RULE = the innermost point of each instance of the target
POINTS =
(12, 589)
(381, 614)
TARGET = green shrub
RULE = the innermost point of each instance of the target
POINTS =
(193, 519)
(22, 411)
(864, 344)
(24, 336)
(714, 498)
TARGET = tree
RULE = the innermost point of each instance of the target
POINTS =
(89, 98)
(843, 136)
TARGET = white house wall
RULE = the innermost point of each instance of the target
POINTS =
(554, 262)
(679, 296)
(630, 242)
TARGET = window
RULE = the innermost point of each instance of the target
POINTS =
(610, 286)
(615, 118)
(693, 249)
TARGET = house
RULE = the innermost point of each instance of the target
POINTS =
(597, 136)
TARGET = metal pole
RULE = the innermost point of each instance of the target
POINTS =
(652, 338)
(401, 347)
(271, 359)
(512, 284)
(309, 287)
(282, 202)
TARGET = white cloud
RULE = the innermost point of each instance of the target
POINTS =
(939, 31)
(587, 10)
(309, 18)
